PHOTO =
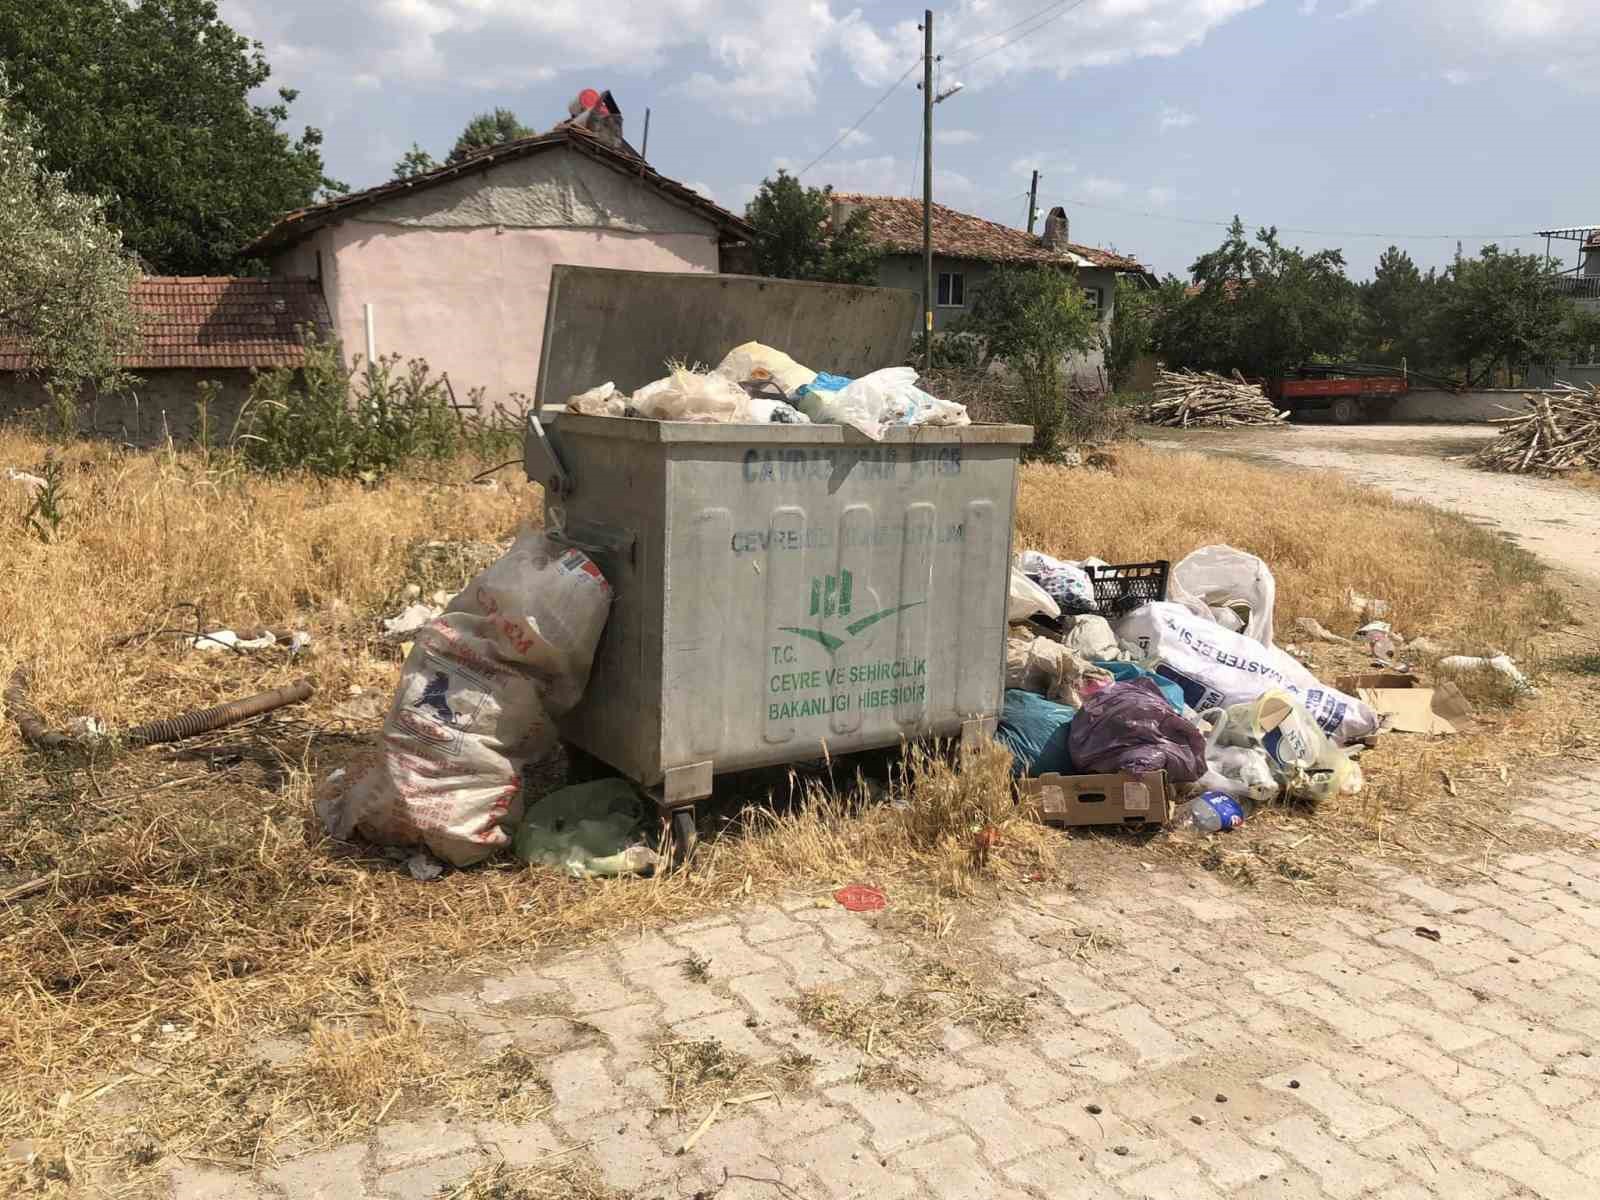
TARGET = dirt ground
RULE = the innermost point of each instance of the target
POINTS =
(1555, 520)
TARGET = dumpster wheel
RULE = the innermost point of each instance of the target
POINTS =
(682, 835)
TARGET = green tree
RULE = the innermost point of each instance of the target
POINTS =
(1034, 320)
(145, 105)
(1399, 304)
(796, 237)
(1502, 310)
(64, 276)
(1260, 307)
(1125, 338)
(415, 161)
(485, 131)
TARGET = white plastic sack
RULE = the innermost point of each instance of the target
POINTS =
(876, 402)
(1091, 637)
(1240, 772)
(1216, 668)
(601, 401)
(1028, 600)
(1220, 577)
(756, 361)
(478, 700)
(687, 395)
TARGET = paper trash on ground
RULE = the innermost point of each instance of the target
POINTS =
(1408, 707)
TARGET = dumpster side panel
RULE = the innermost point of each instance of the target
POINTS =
(830, 596)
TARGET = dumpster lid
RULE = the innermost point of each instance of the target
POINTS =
(624, 326)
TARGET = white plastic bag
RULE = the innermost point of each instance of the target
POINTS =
(1217, 578)
(1216, 668)
(478, 699)
(601, 401)
(1300, 755)
(1090, 637)
(876, 402)
(756, 361)
(1028, 600)
(687, 395)
(1240, 772)
(776, 412)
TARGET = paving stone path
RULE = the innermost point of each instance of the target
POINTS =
(1234, 1044)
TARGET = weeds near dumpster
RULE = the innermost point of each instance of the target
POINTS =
(49, 506)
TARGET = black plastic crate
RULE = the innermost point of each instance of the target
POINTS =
(1118, 590)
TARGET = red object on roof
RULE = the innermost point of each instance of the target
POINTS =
(201, 321)
(895, 222)
(588, 98)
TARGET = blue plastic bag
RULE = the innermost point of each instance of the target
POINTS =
(1035, 730)
(1124, 672)
(824, 383)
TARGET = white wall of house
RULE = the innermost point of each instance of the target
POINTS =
(459, 273)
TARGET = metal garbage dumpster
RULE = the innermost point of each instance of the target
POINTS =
(782, 591)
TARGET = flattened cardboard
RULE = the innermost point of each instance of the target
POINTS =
(1409, 707)
(1117, 799)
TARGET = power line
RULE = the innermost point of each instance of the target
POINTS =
(877, 104)
(1352, 233)
(1002, 32)
(1055, 16)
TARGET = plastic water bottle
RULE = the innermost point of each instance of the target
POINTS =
(1213, 812)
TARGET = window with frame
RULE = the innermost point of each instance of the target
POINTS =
(1093, 297)
(952, 289)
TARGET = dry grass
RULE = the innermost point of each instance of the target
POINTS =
(188, 917)
(565, 1175)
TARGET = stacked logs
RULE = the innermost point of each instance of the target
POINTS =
(1560, 431)
(1204, 399)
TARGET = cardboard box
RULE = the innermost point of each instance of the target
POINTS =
(1120, 799)
(1409, 707)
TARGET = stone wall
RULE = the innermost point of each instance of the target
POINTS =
(160, 403)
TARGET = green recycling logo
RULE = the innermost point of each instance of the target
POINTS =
(832, 596)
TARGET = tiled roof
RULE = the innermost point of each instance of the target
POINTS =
(293, 226)
(216, 321)
(895, 222)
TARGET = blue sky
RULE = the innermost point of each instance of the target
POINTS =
(1470, 119)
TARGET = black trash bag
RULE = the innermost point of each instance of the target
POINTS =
(1132, 727)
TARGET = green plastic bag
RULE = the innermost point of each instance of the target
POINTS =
(585, 830)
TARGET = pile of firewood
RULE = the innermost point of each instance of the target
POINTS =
(1559, 432)
(1201, 398)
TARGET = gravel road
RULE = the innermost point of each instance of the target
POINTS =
(1557, 521)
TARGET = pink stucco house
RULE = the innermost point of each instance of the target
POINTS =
(455, 264)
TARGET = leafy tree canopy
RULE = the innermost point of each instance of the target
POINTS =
(64, 277)
(147, 106)
(797, 239)
(483, 132)
(415, 161)
(1503, 310)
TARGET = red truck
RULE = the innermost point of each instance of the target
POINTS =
(1348, 398)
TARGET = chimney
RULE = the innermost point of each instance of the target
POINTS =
(599, 113)
(1055, 229)
(842, 211)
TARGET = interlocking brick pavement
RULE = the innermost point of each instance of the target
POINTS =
(1338, 1057)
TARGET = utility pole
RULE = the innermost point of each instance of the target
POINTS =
(1033, 199)
(927, 190)
(644, 147)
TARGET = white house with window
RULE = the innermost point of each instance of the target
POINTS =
(967, 249)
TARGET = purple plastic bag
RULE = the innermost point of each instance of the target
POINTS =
(1132, 727)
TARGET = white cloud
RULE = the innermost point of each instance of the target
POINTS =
(1175, 118)
(1097, 187)
(1307, 7)
(1097, 34)
(954, 137)
(851, 138)
(1161, 197)
(1053, 164)
(1456, 77)
(1357, 7)
(704, 189)
(1559, 39)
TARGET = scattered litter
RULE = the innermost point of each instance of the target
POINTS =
(1365, 607)
(227, 639)
(1091, 638)
(1422, 931)
(1314, 628)
(1500, 662)
(1121, 799)
(424, 867)
(88, 729)
(1407, 706)
(587, 829)
(410, 619)
(602, 401)
(1036, 731)
(1425, 647)
(1028, 600)
(1211, 812)
(1067, 582)
(1193, 399)
(858, 897)
(26, 478)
